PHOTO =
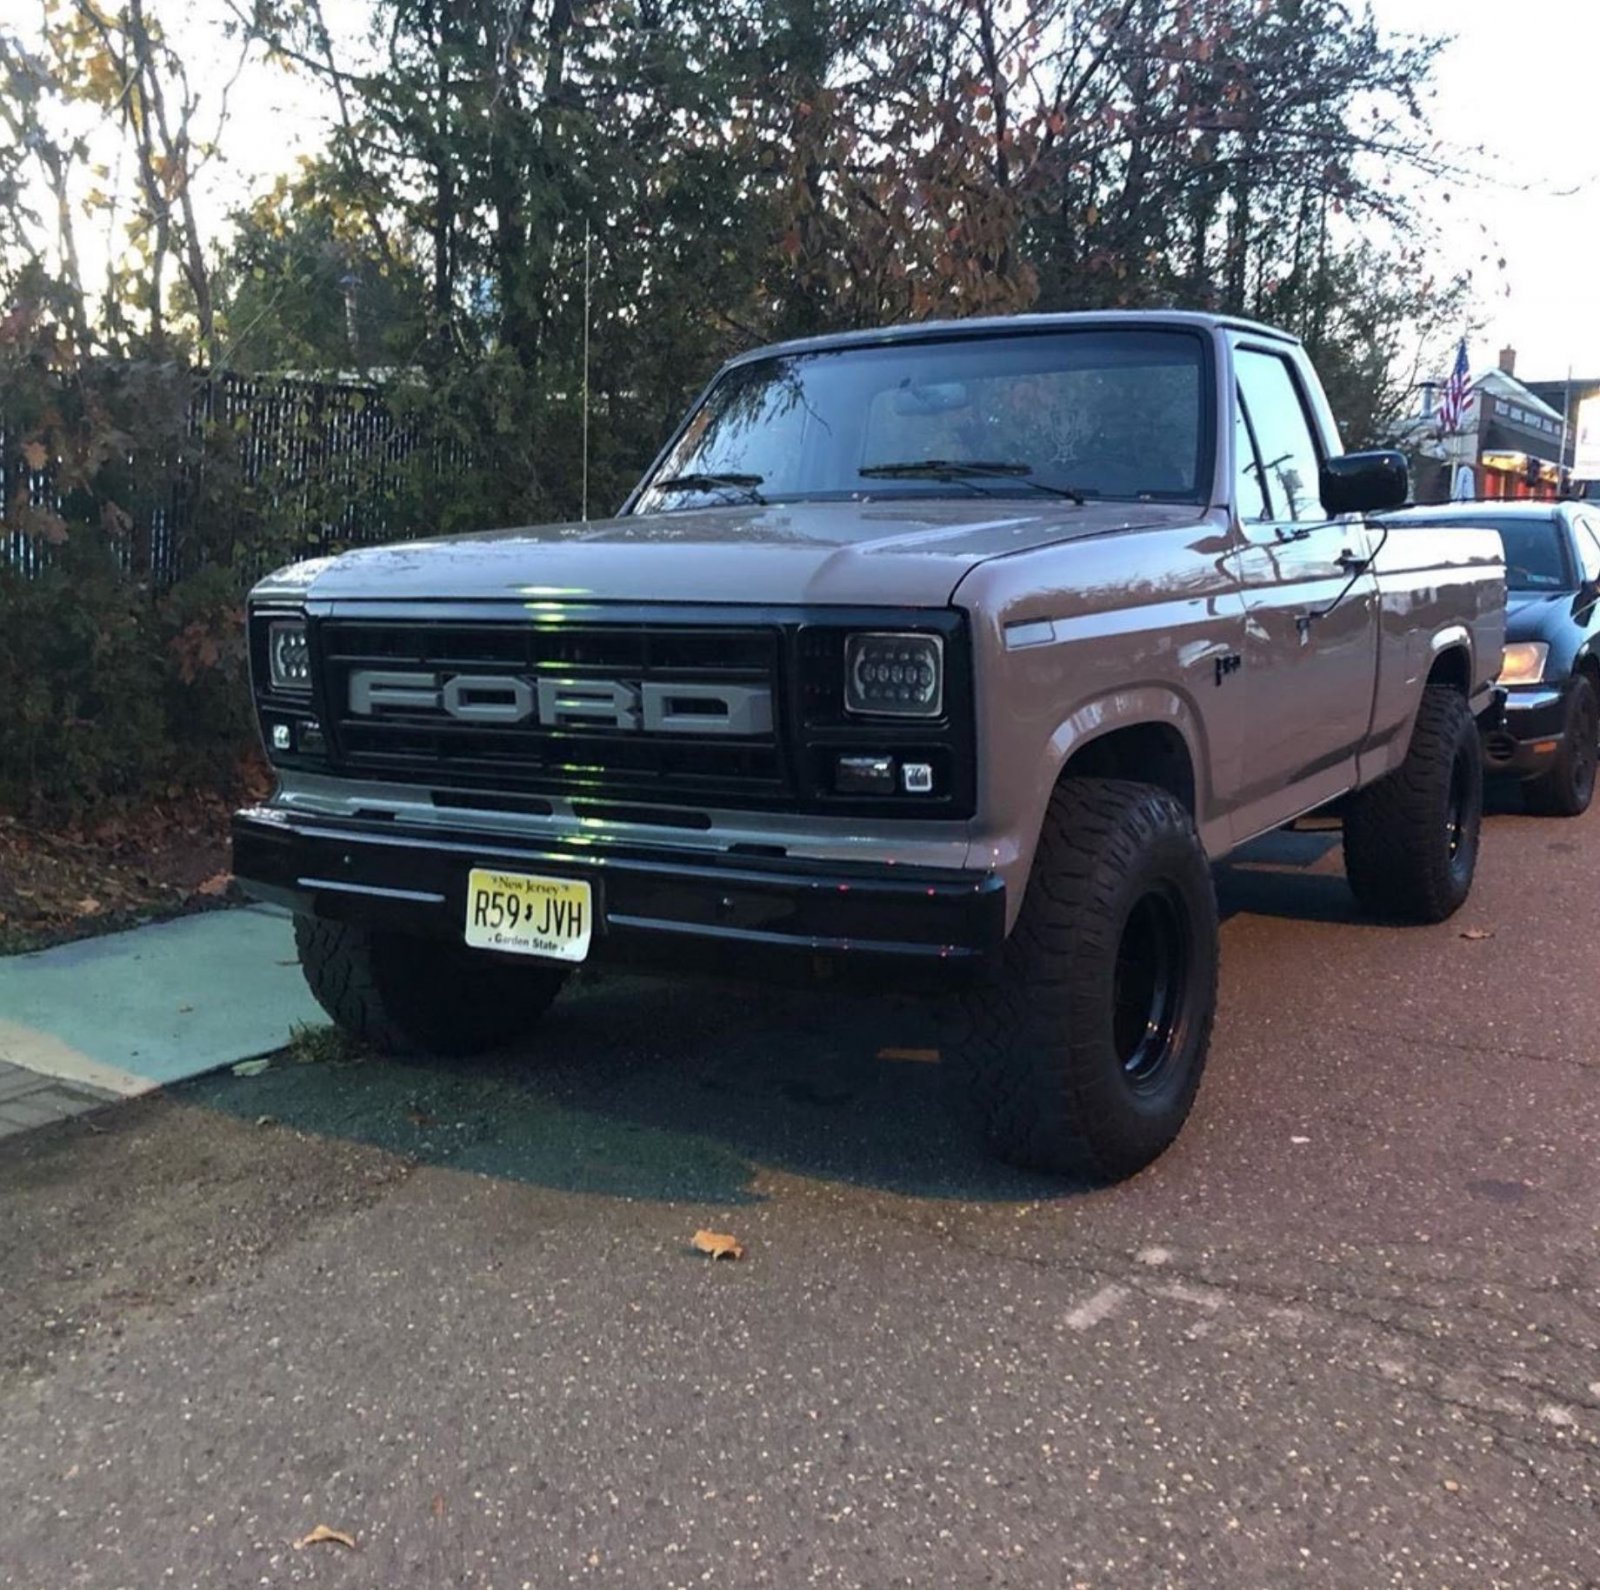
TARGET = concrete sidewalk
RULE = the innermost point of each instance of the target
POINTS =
(123, 1014)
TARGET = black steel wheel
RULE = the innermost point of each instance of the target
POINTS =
(1566, 788)
(1085, 1047)
(405, 995)
(1411, 838)
(1149, 987)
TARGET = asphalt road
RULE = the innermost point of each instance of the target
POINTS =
(1344, 1334)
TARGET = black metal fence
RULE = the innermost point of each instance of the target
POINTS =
(251, 468)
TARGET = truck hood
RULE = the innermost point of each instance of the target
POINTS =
(903, 554)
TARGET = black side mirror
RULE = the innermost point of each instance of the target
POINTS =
(1365, 483)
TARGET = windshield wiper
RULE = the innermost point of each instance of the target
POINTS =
(712, 482)
(967, 471)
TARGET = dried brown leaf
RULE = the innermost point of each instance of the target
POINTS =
(322, 1535)
(217, 883)
(1476, 934)
(719, 1244)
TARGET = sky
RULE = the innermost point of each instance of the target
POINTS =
(1520, 79)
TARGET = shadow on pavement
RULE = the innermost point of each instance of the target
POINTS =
(639, 1088)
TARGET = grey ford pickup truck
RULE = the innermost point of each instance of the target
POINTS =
(964, 646)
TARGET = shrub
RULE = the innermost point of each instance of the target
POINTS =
(112, 696)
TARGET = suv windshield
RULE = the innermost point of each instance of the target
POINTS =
(1105, 413)
(1535, 551)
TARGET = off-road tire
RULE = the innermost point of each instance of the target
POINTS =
(1411, 839)
(405, 995)
(1046, 1036)
(1566, 787)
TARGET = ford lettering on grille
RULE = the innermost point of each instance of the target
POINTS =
(651, 706)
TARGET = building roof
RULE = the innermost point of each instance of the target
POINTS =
(1500, 384)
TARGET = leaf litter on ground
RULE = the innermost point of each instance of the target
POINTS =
(718, 1245)
(323, 1535)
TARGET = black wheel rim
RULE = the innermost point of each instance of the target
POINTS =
(1458, 812)
(1150, 988)
(1585, 746)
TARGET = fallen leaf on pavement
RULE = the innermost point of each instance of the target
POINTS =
(322, 1534)
(719, 1244)
(926, 1057)
(251, 1068)
(217, 883)
(1477, 933)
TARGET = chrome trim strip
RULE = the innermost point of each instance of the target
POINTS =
(793, 940)
(420, 896)
(1031, 632)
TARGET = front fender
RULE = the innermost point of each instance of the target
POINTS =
(1032, 768)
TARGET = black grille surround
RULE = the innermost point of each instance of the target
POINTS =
(798, 654)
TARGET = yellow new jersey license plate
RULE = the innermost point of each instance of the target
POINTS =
(524, 915)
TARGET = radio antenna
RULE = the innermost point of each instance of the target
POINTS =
(586, 370)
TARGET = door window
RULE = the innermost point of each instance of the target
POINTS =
(1289, 460)
(1249, 486)
(1588, 539)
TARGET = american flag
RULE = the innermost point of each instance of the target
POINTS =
(1457, 393)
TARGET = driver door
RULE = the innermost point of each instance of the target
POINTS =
(1311, 605)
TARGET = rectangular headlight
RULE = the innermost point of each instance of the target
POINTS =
(1522, 662)
(289, 655)
(895, 676)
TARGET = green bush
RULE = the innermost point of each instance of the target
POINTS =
(112, 696)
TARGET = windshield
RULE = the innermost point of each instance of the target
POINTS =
(1535, 551)
(1113, 414)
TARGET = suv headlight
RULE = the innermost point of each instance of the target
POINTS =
(897, 676)
(1522, 663)
(289, 655)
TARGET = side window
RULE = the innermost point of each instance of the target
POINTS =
(1588, 539)
(1249, 487)
(1289, 458)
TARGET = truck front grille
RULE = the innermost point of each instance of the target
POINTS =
(416, 713)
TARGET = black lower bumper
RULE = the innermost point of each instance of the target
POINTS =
(1527, 732)
(711, 910)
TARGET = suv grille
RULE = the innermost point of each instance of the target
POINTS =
(427, 744)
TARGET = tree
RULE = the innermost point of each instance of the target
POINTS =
(302, 287)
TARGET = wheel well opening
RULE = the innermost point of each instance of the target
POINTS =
(1150, 753)
(1452, 668)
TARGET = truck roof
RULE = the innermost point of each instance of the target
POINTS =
(1006, 325)
(1481, 508)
